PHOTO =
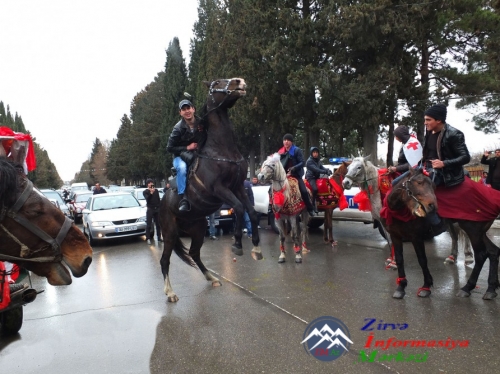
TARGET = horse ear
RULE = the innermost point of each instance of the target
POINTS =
(367, 158)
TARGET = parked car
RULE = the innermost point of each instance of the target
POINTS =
(224, 219)
(77, 204)
(113, 215)
(80, 186)
(54, 195)
(129, 189)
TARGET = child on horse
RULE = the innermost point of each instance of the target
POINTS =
(314, 170)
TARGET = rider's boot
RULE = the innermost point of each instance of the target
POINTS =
(314, 204)
(183, 204)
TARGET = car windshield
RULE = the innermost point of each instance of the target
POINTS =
(82, 198)
(114, 202)
(54, 195)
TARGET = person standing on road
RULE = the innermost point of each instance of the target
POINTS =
(248, 223)
(314, 170)
(152, 197)
(211, 227)
(98, 189)
(493, 177)
(292, 160)
(187, 136)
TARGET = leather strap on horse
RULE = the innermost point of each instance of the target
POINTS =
(25, 251)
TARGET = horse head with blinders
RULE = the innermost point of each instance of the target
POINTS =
(35, 234)
(416, 192)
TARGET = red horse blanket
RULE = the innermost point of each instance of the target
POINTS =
(291, 206)
(330, 194)
(469, 200)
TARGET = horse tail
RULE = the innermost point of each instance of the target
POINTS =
(183, 252)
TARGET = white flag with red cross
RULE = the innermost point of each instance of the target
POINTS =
(413, 151)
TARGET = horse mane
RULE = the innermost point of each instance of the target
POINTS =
(9, 180)
(280, 174)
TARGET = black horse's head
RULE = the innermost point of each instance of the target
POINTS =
(415, 191)
(225, 92)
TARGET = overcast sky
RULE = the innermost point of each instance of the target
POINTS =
(72, 68)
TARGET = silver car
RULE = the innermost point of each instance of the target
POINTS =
(53, 195)
(113, 215)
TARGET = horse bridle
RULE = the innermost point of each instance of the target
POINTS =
(13, 213)
(408, 191)
(280, 181)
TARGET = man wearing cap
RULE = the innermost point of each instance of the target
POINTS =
(292, 160)
(493, 174)
(444, 153)
(187, 136)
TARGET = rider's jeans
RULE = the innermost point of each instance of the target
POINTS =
(181, 168)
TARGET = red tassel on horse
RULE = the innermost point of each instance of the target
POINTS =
(363, 201)
(4, 288)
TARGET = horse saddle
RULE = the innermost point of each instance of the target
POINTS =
(289, 205)
(330, 194)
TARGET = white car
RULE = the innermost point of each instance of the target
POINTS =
(113, 215)
(138, 194)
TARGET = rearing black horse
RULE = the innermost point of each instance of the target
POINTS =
(215, 177)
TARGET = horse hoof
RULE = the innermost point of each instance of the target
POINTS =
(392, 265)
(469, 260)
(305, 250)
(399, 294)
(216, 283)
(172, 299)
(237, 251)
(388, 260)
(298, 258)
(281, 260)
(257, 256)
(463, 293)
(424, 293)
(489, 295)
(334, 243)
(450, 260)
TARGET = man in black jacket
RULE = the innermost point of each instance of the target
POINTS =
(152, 197)
(187, 136)
(444, 154)
(314, 170)
(444, 150)
(493, 177)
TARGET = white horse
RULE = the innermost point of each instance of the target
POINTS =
(287, 205)
(364, 174)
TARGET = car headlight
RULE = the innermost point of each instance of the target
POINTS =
(142, 219)
(226, 212)
(101, 223)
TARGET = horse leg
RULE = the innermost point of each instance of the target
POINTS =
(401, 280)
(453, 231)
(328, 225)
(419, 246)
(282, 227)
(168, 244)
(197, 233)
(480, 255)
(296, 238)
(256, 251)
(493, 252)
(464, 239)
(302, 224)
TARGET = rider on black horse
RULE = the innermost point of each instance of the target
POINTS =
(187, 136)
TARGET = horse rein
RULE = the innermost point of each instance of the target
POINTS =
(13, 213)
(280, 181)
(408, 191)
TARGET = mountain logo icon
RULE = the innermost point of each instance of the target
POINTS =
(326, 338)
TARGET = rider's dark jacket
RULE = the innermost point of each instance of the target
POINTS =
(294, 160)
(182, 136)
(314, 167)
(452, 151)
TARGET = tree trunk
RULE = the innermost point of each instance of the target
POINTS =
(370, 144)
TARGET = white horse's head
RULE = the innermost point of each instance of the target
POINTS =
(359, 171)
(271, 169)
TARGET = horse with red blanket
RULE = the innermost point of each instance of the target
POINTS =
(413, 197)
(330, 196)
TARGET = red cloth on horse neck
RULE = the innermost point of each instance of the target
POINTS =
(469, 201)
(388, 214)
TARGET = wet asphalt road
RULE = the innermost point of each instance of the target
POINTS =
(116, 318)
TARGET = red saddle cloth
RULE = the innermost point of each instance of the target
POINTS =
(330, 194)
(291, 206)
(469, 200)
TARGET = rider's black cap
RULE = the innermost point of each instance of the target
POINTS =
(288, 137)
(185, 102)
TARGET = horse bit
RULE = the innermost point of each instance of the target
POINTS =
(13, 213)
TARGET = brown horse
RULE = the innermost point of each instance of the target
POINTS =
(407, 204)
(215, 177)
(35, 234)
(328, 201)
